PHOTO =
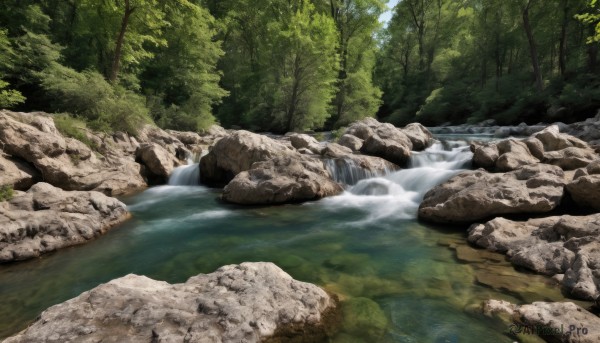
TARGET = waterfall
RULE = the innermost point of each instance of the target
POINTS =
(187, 175)
(347, 172)
(397, 195)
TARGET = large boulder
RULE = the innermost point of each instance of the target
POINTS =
(390, 143)
(585, 187)
(561, 245)
(159, 163)
(237, 152)
(553, 321)
(65, 162)
(475, 195)
(281, 180)
(418, 134)
(250, 302)
(553, 140)
(47, 218)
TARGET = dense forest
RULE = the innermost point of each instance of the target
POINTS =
(284, 65)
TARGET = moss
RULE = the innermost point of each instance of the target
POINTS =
(364, 318)
(6, 192)
(338, 133)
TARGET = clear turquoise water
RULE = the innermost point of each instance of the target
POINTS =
(399, 280)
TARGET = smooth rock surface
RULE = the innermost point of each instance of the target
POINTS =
(250, 302)
(352, 142)
(47, 218)
(158, 161)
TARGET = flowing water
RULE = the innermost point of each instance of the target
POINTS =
(399, 280)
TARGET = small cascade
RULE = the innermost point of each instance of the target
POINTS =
(347, 172)
(188, 175)
(397, 195)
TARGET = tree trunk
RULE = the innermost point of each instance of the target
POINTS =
(532, 49)
(116, 62)
(562, 53)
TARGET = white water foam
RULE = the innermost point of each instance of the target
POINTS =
(397, 195)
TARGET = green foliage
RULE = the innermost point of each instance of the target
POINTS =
(9, 97)
(592, 18)
(72, 127)
(6, 192)
(90, 96)
(445, 61)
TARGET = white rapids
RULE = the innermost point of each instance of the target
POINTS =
(397, 195)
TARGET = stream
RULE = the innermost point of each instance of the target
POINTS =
(400, 280)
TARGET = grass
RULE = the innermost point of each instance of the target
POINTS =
(73, 128)
(6, 192)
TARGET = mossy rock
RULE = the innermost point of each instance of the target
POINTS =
(364, 318)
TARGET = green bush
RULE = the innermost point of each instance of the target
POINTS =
(6, 192)
(88, 95)
(73, 128)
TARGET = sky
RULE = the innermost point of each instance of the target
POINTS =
(386, 16)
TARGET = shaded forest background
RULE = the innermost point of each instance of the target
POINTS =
(284, 65)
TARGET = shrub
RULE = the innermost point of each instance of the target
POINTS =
(6, 192)
(73, 128)
(88, 95)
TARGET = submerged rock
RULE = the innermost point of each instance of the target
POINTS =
(47, 218)
(281, 180)
(250, 302)
(475, 195)
(568, 245)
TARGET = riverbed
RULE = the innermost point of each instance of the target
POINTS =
(399, 280)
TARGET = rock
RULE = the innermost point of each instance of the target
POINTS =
(47, 218)
(17, 173)
(418, 134)
(352, 142)
(186, 137)
(566, 321)
(485, 155)
(300, 140)
(390, 143)
(585, 187)
(334, 150)
(553, 140)
(237, 152)
(250, 302)
(281, 180)
(159, 163)
(475, 195)
(571, 158)
(553, 321)
(545, 258)
(67, 163)
(558, 245)
(364, 318)
(363, 129)
(547, 146)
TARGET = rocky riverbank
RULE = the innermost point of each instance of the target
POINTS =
(547, 172)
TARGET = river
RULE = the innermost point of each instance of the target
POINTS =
(400, 280)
